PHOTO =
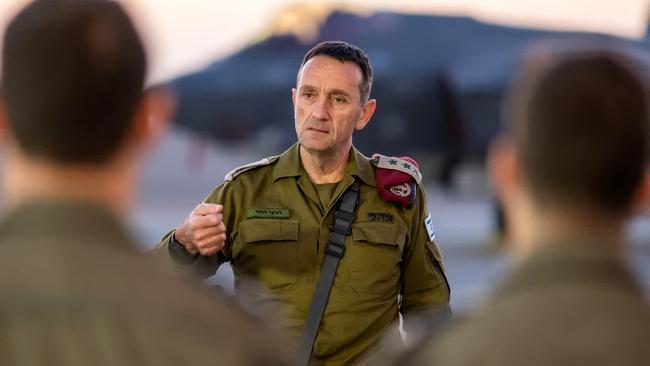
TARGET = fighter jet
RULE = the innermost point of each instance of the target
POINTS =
(439, 83)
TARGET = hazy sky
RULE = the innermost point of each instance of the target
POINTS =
(186, 35)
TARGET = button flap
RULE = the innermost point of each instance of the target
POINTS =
(380, 233)
(254, 230)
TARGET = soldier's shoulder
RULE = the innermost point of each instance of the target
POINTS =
(404, 165)
(268, 161)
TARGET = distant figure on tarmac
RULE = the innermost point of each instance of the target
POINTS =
(75, 125)
(327, 230)
(570, 168)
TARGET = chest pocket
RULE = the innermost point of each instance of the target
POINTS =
(375, 256)
(267, 249)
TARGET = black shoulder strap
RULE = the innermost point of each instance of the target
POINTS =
(343, 218)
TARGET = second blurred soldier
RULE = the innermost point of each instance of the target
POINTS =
(570, 170)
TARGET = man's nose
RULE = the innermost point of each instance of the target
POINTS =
(321, 109)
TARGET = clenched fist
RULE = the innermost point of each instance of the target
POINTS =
(203, 231)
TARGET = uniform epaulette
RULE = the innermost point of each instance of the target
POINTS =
(250, 166)
(393, 163)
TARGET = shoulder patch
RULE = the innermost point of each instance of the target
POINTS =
(393, 163)
(250, 166)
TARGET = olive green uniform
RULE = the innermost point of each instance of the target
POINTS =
(568, 304)
(278, 229)
(74, 291)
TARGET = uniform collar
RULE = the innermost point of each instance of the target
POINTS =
(568, 264)
(67, 220)
(289, 165)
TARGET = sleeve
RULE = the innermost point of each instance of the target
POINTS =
(198, 265)
(425, 288)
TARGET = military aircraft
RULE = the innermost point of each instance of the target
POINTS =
(439, 82)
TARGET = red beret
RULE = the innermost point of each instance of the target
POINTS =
(397, 179)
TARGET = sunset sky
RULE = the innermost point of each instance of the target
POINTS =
(186, 35)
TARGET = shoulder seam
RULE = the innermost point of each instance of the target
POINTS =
(250, 166)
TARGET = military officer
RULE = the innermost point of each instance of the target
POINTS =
(272, 219)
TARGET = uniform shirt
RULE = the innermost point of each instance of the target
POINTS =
(568, 304)
(278, 230)
(74, 291)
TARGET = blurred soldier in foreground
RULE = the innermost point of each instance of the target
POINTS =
(570, 170)
(287, 220)
(76, 125)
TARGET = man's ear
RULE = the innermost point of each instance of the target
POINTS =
(504, 168)
(4, 120)
(641, 198)
(156, 110)
(368, 110)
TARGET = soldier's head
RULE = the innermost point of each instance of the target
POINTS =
(576, 131)
(331, 98)
(344, 51)
(72, 80)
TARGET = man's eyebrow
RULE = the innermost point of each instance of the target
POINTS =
(339, 92)
(307, 87)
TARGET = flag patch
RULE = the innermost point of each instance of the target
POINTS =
(428, 223)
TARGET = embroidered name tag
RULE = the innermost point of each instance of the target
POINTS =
(267, 213)
(380, 217)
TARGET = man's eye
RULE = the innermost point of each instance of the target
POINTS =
(308, 95)
(339, 100)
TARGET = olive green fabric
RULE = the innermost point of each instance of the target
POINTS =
(325, 192)
(563, 306)
(384, 259)
(73, 291)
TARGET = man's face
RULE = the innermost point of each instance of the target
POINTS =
(327, 105)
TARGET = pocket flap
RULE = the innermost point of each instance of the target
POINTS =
(255, 230)
(379, 233)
